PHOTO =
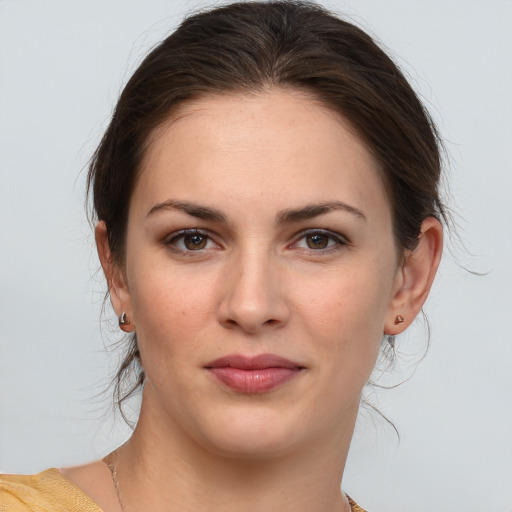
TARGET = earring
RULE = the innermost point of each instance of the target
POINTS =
(123, 322)
(399, 320)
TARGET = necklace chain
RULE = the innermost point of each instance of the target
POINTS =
(113, 472)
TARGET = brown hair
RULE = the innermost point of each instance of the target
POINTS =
(247, 47)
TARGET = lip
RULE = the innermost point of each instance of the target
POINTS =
(254, 374)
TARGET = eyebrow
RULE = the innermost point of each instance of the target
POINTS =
(284, 217)
(193, 209)
(314, 210)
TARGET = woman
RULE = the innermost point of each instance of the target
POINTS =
(268, 216)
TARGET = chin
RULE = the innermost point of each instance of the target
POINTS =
(251, 436)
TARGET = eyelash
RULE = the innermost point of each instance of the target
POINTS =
(335, 241)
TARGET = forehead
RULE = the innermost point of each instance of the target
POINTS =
(282, 145)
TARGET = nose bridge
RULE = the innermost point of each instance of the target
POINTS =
(252, 296)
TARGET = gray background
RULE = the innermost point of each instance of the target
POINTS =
(62, 64)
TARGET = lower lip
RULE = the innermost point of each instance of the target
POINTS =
(254, 381)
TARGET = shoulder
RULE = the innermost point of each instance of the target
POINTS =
(48, 491)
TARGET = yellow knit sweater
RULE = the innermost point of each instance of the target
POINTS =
(49, 491)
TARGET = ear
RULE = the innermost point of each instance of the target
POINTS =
(117, 285)
(415, 277)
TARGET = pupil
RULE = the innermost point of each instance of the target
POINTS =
(317, 241)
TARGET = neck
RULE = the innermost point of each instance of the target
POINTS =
(163, 469)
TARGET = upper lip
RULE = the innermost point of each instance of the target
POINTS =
(258, 362)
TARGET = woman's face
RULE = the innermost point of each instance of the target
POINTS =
(259, 275)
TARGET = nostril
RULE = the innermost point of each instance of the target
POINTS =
(248, 325)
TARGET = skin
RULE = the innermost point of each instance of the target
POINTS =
(319, 288)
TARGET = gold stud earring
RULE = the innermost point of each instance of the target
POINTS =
(123, 322)
(399, 320)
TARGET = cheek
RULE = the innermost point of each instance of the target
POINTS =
(346, 300)
(170, 311)
(344, 313)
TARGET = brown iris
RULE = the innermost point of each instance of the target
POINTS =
(317, 241)
(195, 241)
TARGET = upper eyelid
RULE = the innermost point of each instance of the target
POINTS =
(188, 231)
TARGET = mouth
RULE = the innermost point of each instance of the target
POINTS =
(254, 374)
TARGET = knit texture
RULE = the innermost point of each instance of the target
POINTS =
(49, 491)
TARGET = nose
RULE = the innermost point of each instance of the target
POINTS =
(253, 295)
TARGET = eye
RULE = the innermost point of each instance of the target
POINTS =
(191, 240)
(318, 240)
